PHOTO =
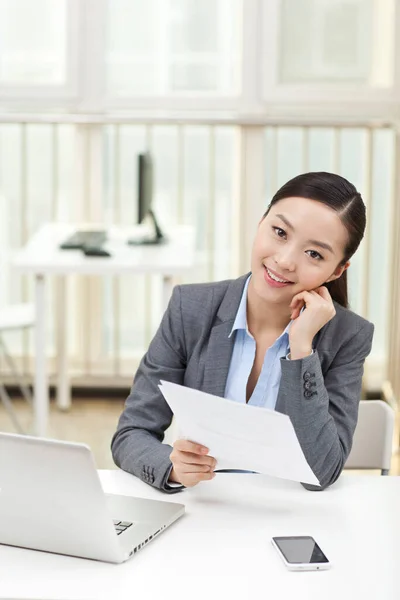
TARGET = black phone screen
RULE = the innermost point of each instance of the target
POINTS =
(300, 549)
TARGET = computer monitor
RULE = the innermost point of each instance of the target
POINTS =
(145, 200)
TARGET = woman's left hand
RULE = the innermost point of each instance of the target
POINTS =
(319, 309)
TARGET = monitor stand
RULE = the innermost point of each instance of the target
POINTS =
(149, 239)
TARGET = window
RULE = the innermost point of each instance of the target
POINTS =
(32, 56)
(173, 47)
(328, 52)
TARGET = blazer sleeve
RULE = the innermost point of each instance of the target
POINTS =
(324, 409)
(137, 444)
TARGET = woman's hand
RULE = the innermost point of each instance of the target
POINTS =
(191, 463)
(319, 309)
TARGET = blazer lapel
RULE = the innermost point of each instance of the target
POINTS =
(220, 345)
(219, 352)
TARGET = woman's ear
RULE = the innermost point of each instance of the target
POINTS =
(340, 269)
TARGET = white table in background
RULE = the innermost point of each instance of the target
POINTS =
(221, 547)
(42, 257)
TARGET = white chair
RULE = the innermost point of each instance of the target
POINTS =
(14, 317)
(373, 437)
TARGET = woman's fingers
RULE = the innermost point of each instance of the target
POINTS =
(191, 463)
(190, 460)
(320, 294)
(190, 468)
(188, 446)
(185, 452)
(195, 459)
(190, 457)
(324, 293)
(302, 297)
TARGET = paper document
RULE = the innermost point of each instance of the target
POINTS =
(239, 436)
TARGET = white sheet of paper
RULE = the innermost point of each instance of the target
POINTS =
(239, 436)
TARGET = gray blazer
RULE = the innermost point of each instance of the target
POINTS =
(192, 347)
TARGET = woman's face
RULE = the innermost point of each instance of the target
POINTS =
(301, 243)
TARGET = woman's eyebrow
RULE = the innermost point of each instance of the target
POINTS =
(321, 245)
(313, 242)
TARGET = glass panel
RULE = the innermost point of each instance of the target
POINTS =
(226, 149)
(163, 47)
(352, 165)
(290, 153)
(195, 175)
(380, 236)
(321, 149)
(194, 179)
(36, 186)
(337, 41)
(33, 42)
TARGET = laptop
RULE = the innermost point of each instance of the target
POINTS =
(51, 499)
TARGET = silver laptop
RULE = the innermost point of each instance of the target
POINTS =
(51, 499)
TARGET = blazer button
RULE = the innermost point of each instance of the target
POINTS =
(308, 394)
(307, 376)
(307, 385)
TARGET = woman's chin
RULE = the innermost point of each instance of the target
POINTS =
(273, 295)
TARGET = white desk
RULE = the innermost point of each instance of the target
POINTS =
(42, 257)
(221, 546)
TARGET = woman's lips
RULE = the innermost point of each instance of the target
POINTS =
(272, 282)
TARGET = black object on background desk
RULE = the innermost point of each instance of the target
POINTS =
(90, 242)
(80, 239)
(95, 251)
(145, 204)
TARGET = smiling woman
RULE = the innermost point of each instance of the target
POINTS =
(281, 337)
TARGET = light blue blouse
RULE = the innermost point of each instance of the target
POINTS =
(266, 390)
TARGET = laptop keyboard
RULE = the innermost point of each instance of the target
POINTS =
(121, 526)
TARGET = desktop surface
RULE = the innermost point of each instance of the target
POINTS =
(223, 545)
(43, 254)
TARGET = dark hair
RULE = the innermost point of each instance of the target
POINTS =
(340, 195)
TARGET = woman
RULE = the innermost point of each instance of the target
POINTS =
(281, 337)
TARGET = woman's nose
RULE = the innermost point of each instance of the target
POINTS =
(285, 261)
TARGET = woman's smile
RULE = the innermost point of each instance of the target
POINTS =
(274, 279)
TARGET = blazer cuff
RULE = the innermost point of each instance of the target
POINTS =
(288, 355)
(170, 486)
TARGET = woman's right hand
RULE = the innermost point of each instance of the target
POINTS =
(191, 463)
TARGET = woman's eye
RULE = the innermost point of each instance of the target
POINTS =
(315, 254)
(279, 232)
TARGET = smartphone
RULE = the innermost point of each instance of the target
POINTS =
(301, 553)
